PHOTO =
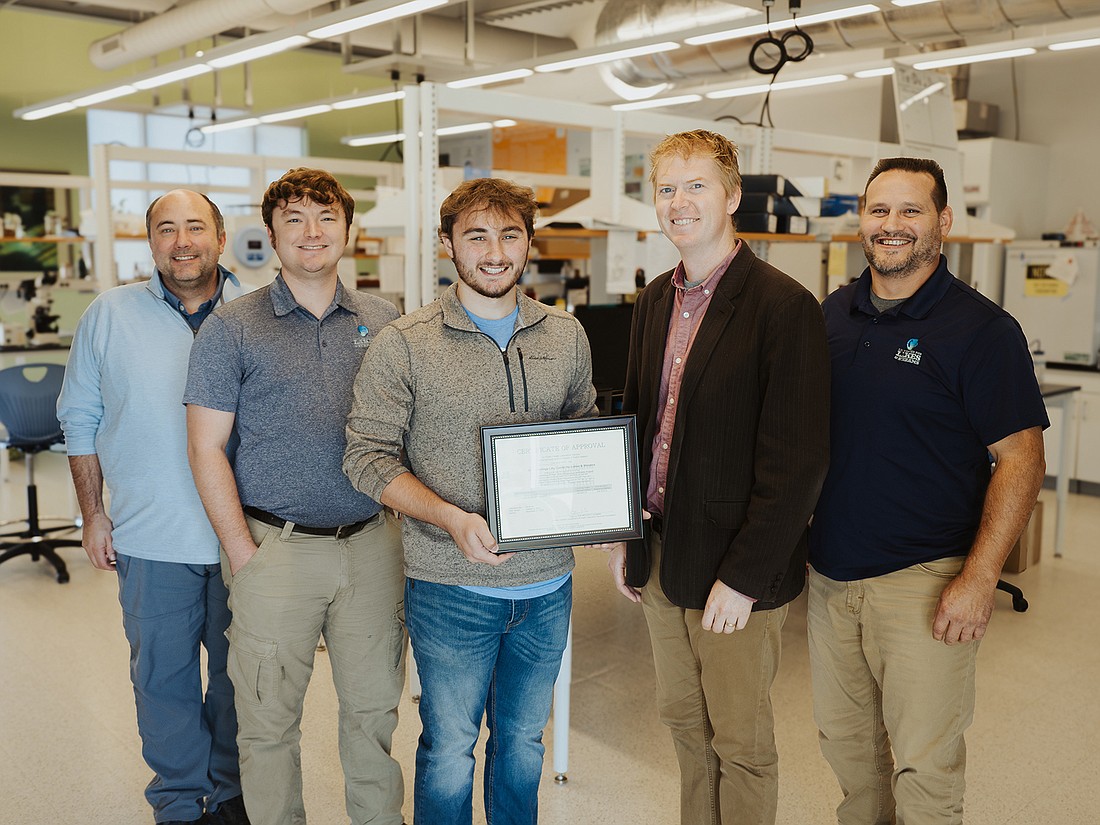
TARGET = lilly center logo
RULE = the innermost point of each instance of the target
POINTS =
(362, 337)
(910, 354)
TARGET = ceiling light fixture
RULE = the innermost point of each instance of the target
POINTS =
(374, 18)
(229, 125)
(913, 2)
(972, 58)
(882, 71)
(486, 79)
(106, 94)
(375, 140)
(607, 57)
(256, 52)
(291, 114)
(1074, 44)
(367, 100)
(761, 88)
(656, 103)
(48, 111)
(171, 77)
(372, 140)
(780, 25)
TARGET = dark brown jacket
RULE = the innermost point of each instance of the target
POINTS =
(750, 448)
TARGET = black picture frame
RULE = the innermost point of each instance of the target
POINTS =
(573, 468)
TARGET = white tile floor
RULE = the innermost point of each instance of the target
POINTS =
(69, 750)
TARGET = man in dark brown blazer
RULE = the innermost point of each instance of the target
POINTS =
(728, 375)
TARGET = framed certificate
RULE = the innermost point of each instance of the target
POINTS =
(561, 483)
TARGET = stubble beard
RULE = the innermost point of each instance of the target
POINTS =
(497, 290)
(924, 252)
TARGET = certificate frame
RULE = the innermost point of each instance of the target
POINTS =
(593, 458)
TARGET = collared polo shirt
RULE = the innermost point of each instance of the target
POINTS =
(287, 376)
(918, 392)
(689, 307)
(195, 319)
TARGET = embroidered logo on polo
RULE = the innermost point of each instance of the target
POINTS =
(362, 337)
(910, 354)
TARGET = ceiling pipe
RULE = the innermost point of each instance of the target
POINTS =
(914, 25)
(427, 34)
(186, 24)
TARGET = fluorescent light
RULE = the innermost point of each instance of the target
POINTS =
(656, 103)
(49, 111)
(825, 17)
(291, 114)
(229, 125)
(256, 52)
(375, 17)
(486, 79)
(464, 128)
(171, 77)
(368, 100)
(913, 2)
(371, 140)
(729, 34)
(883, 71)
(504, 123)
(973, 58)
(1074, 44)
(607, 57)
(107, 94)
(780, 25)
(761, 88)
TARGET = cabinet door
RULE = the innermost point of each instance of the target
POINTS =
(1088, 440)
(1052, 438)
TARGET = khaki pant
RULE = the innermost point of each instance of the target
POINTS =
(714, 693)
(293, 590)
(891, 703)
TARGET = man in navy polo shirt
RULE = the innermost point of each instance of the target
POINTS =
(931, 385)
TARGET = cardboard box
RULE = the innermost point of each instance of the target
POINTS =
(1027, 549)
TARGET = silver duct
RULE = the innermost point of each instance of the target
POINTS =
(916, 25)
(186, 24)
(435, 35)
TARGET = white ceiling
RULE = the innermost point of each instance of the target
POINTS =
(508, 33)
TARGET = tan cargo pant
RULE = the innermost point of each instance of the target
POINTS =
(296, 588)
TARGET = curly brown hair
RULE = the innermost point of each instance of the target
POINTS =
(494, 194)
(316, 184)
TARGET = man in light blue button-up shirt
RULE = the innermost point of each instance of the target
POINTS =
(124, 421)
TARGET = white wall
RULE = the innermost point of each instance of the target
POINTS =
(1060, 108)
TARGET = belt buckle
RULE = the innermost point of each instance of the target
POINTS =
(344, 530)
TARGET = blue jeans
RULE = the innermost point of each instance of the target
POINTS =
(188, 739)
(482, 655)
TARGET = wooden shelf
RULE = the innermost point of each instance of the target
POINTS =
(44, 239)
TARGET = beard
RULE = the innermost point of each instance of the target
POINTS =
(924, 251)
(482, 286)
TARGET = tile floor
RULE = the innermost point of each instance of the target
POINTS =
(69, 751)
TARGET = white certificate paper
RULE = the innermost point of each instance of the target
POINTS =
(570, 483)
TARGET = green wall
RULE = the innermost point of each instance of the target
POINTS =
(43, 56)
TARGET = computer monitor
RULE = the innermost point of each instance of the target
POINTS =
(608, 329)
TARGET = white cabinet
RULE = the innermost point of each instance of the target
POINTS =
(1084, 432)
(1088, 437)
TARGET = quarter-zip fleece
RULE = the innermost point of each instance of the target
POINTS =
(428, 383)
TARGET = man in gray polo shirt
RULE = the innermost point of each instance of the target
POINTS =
(303, 552)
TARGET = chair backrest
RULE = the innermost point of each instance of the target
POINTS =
(28, 405)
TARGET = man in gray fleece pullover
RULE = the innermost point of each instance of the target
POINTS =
(487, 629)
